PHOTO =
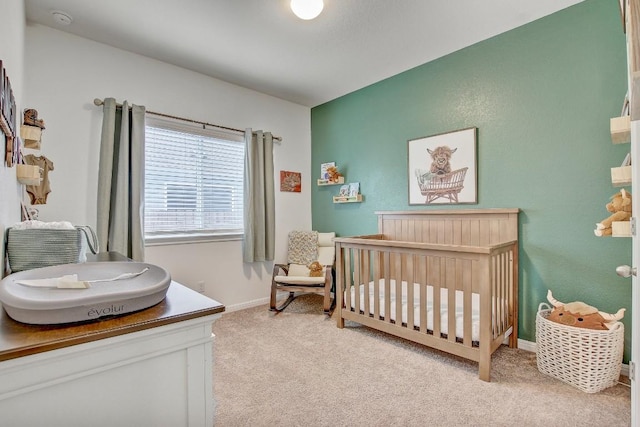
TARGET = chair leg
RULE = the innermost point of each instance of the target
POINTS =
(272, 301)
(284, 304)
(327, 302)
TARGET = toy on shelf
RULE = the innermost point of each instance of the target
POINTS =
(620, 208)
(31, 118)
(581, 315)
(330, 175)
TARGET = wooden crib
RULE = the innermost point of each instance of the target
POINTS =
(465, 259)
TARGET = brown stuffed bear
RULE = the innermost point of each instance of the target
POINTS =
(332, 174)
(620, 206)
(315, 269)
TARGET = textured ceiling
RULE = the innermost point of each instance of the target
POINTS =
(261, 45)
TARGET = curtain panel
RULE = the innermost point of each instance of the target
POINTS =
(259, 198)
(120, 222)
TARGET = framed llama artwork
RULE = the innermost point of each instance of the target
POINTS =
(442, 169)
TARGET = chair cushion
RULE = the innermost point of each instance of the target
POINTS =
(326, 239)
(298, 270)
(303, 247)
(299, 280)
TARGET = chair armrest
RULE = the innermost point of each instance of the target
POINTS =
(278, 267)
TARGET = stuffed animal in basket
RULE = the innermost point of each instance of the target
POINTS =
(315, 269)
(581, 315)
(620, 208)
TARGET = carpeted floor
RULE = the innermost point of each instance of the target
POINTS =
(297, 368)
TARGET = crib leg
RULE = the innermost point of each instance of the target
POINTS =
(340, 321)
(484, 370)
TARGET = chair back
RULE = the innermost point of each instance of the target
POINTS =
(326, 248)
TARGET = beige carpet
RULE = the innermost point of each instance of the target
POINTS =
(297, 368)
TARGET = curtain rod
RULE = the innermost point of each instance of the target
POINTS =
(99, 102)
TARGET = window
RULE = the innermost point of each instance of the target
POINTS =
(193, 181)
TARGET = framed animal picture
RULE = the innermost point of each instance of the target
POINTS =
(442, 169)
(291, 181)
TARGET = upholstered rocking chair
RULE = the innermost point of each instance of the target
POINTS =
(304, 248)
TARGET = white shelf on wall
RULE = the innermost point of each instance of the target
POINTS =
(347, 199)
(621, 229)
(322, 182)
(621, 176)
(31, 136)
(28, 174)
(620, 128)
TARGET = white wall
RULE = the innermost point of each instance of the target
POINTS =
(12, 56)
(64, 73)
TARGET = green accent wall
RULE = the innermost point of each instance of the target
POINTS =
(541, 97)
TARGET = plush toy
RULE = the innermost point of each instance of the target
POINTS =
(31, 118)
(581, 315)
(620, 208)
(333, 174)
(315, 269)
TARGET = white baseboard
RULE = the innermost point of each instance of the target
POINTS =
(531, 346)
(248, 304)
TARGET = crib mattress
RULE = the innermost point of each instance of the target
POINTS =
(444, 309)
(31, 296)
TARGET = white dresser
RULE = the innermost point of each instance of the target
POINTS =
(149, 368)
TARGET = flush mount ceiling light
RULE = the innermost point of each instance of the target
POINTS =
(62, 18)
(307, 9)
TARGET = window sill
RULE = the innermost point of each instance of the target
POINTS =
(184, 239)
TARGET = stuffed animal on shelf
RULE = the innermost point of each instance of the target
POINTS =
(620, 208)
(31, 118)
(315, 269)
(332, 174)
(581, 315)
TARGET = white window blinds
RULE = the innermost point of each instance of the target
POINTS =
(193, 180)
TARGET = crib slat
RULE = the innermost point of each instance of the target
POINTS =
(410, 292)
(435, 267)
(356, 279)
(376, 284)
(366, 272)
(398, 279)
(451, 299)
(387, 286)
(423, 295)
(347, 278)
(467, 280)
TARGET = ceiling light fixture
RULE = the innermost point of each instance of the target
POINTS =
(307, 9)
(62, 18)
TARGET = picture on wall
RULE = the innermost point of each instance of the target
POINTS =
(443, 168)
(290, 181)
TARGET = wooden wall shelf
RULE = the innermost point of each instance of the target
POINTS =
(621, 176)
(347, 199)
(620, 129)
(323, 182)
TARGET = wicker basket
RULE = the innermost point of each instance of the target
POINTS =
(42, 247)
(585, 358)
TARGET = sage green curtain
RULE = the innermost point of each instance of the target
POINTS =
(259, 198)
(120, 223)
